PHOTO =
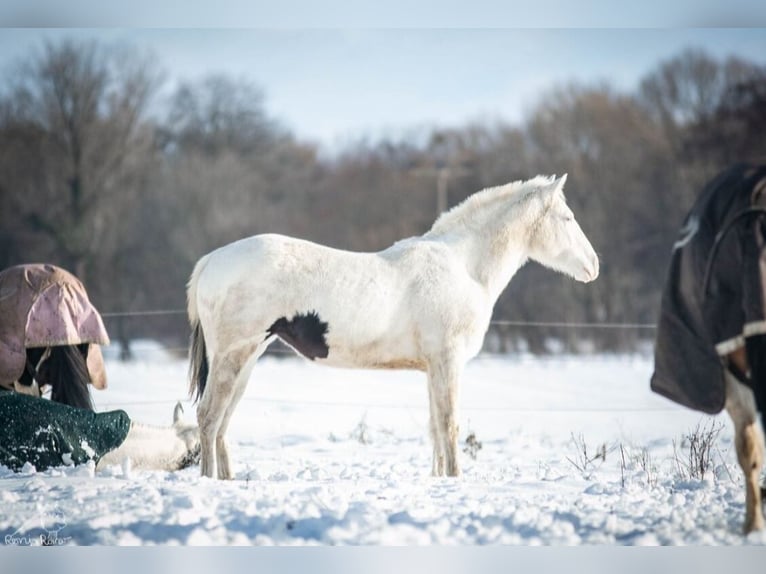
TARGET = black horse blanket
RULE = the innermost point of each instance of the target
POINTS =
(48, 434)
(714, 294)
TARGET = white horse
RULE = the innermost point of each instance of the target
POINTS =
(149, 447)
(424, 303)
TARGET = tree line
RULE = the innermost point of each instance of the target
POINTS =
(127, 190)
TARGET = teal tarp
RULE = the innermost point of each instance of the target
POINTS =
(48, 434)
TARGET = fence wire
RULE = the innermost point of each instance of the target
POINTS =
(285, 351)
(503, 322)
(498, 322)
(424, 406)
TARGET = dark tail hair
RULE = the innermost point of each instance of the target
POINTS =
(198, 367)
(66, 371)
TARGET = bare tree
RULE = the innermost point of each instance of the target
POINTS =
(738, 122)
(74, 145)
(617, 163)
(686, 91)
(230, 170)
(88, 180)
(218, 113)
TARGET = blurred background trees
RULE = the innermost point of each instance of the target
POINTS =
(101, 175)
(75, 149)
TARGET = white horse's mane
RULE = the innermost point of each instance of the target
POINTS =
(475, 209)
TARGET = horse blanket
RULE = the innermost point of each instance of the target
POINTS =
(715, 292)
(44, 306)
(48, 434)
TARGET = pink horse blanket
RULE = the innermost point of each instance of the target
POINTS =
(44, 306)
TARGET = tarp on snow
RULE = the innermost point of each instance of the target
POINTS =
(48, 434)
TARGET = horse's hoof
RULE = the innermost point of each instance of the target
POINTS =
(748, 528)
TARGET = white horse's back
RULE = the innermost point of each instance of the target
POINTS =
(260, 280)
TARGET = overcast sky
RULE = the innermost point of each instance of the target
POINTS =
(332, 86)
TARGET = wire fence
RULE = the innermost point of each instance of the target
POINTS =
(496, 322)
(503, 322)
(144, 313)
(408, 406)
(350, 404)
(574, 325)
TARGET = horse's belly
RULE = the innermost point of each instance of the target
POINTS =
(355, 362)
(375, 355)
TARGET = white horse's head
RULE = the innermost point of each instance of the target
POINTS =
(557, 241)
(149, 447)
(188, 434)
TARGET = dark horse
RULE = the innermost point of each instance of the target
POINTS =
(50, 335)
(710, 351)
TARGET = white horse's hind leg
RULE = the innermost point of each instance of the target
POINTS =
(218, 394)
(221, 448)
(443, 381)
(740, 404)
(208, 421)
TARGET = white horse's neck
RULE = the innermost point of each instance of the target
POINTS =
(490, 232)
(491, 263)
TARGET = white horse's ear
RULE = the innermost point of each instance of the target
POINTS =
(177, 412)
(553, 185)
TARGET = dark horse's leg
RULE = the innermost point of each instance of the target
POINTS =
(745, 378)
(756, 357)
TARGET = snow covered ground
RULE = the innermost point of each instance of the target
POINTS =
(326, 456)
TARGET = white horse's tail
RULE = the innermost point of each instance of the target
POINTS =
(198, 364)
(191, 290)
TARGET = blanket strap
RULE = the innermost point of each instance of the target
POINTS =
(32, 368)
(758, 210)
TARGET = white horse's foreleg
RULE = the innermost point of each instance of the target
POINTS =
(740, 404)
(444, 379)
(437, 464)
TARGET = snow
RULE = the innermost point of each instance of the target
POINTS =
(325, 456)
